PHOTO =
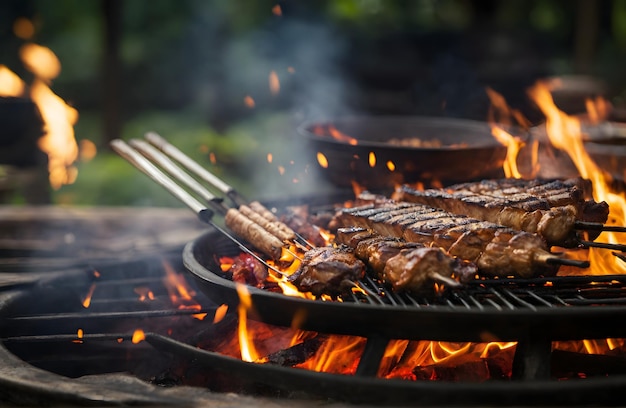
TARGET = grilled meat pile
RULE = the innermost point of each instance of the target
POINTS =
(403, 265)
(495, 249)
(549, 208)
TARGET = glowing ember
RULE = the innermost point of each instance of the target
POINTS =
(371, 159)
(87, 150)
(322, 160)
(144, 293)
(87, 299)
(270, 157)
(391, 166)
(138, 336)
(277, 11)
(79, 333)
(274, 83)
(23, 28)
(249, 102)
(220, 313)
(10, 84)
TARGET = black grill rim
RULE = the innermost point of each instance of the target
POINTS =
(428, 322)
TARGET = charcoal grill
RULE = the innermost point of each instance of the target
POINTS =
(45, 336)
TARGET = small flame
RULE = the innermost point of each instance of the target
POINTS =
(248, 351)
(391, 166)
(180, 293)
(249, 102)
(87, 299)
(274, 83)
(58, 142)
(342, 137)
(501, 114)
(144, 293)
(10, 84)
(597, 109)
(372, 159)
(357, 188)
(322, 160)
(277, 11)
(138, 336)
(80, 333)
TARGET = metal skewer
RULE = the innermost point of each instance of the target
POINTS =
(170, 167)
(596, 226)
(205, 214)
(603, 245)
(205, 175)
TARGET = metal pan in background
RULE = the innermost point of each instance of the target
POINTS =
(426, 149)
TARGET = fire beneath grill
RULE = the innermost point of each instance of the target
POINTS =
(143, 318)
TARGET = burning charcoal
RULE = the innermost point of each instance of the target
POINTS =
(297, 354)
(248, 270)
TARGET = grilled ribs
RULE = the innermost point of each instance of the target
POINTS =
(549, 208)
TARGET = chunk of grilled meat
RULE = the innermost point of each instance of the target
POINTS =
(496, 250)
(403, 265)
(328, 270)
(549, 209)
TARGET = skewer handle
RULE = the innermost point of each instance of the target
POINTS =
(194, 167)
(140, 162)
(551, 259)
(170, 167)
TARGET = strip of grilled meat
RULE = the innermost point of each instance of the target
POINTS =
(403, 265)
(496, 250)
(549, 208)
(328, 270)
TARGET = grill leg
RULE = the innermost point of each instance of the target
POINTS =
(373, 353)
(532, 359)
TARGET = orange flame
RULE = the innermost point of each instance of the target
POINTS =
(181, 295)
(41, 61)
(565, 133)
(342, 137)
(246, 345)
(597, 109)
(277, 11)
(499, 115)
(10, 84)
(391, 166)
